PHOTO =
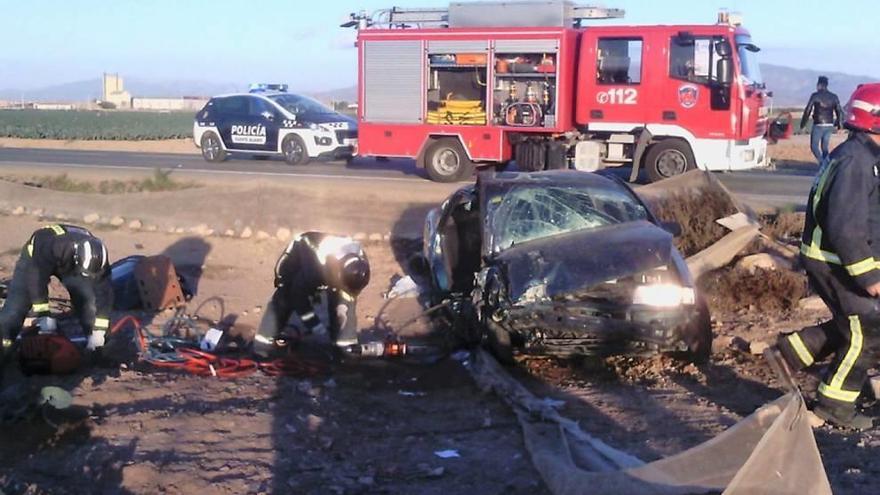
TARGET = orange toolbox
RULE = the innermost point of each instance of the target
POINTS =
(470, 59)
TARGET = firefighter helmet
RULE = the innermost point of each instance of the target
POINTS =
(355, 273)
(91, 257)
(863, 109)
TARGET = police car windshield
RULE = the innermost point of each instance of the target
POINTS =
(300, 105)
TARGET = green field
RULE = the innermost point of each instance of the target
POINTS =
(103, 124)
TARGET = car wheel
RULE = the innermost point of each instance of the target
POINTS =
(668, 158)
(212, 148)
(699, 334)
(446, 161)
(294, 150)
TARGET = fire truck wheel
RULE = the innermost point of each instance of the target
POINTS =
(294, 150)
(668, 158)
(446, 161)
(212, 149)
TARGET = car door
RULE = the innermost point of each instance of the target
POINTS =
(263, 113)
(231, 114)
(613, 87)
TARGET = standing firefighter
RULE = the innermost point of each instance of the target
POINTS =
(319, 277)
(825, 108)
(841, 251)
(80, 261)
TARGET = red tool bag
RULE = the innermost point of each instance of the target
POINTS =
(48, 354)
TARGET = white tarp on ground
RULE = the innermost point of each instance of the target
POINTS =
(773, 451)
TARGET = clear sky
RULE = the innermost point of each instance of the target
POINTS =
(46, 42)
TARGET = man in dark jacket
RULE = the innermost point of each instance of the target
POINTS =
(825, 109)
(80, 261)
(318, 277)
(841, 253)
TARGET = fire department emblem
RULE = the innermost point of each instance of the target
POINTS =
(688, 94)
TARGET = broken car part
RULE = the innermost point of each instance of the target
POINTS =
(562, 263)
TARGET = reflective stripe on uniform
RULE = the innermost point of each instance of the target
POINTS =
(59, 230)
(841, 395)
(263, 340)
(40, 307)
(834, 389)
(801, 349)
(102, 323)
(861, 267)
(813, 252)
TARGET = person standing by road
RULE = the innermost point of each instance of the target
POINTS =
(826, 112)
(841, 253)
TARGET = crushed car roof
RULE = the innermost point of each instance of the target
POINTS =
(547, 177)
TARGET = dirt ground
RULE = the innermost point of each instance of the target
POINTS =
(350, 426)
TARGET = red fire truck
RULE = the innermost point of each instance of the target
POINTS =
(481, 84)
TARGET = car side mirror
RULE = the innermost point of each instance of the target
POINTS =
(673, 228)
(725, 71)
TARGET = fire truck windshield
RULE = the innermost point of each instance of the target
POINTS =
(748, 60)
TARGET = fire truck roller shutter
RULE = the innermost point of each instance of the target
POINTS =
(392, 81)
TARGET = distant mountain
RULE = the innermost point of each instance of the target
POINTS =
(91, 89)
(348, 94)
(793, 87)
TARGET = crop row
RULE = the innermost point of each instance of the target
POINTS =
(91, 125)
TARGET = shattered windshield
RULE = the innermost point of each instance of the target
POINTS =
(748, 60)
(300, 105)
(531, 212)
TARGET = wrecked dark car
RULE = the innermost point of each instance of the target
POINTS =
(562, 263)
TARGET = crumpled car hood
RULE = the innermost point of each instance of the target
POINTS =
(554, 266)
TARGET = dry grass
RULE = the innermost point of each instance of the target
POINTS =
(161, 180)
(696, 212)
(731, 289)
(784, 225)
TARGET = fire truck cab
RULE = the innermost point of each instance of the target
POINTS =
(481, 84)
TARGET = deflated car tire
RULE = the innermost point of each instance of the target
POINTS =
(498, 340)
(699, 334)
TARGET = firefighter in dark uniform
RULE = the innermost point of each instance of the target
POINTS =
(80, 261)
(318, 277)
(841, 252)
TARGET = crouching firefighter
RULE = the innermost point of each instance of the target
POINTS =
(80, 261)
(841, 252)
(318, 277)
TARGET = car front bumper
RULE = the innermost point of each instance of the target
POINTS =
(584, 330)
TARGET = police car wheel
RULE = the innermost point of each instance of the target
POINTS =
(294, 150)
(212, 149)
(446, 161)
(668, 158)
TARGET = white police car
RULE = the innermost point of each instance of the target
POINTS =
(270, 121)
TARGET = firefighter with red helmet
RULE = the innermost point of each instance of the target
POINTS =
(318, 277)
(841, 253)
(80, 261)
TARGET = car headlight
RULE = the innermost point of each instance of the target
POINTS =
(663, 295)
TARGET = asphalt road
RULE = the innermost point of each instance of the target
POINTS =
(780, 188)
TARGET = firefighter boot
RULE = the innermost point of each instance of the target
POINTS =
(846, 418)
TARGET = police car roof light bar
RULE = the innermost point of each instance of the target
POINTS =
(562, 13)
(264, 87)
